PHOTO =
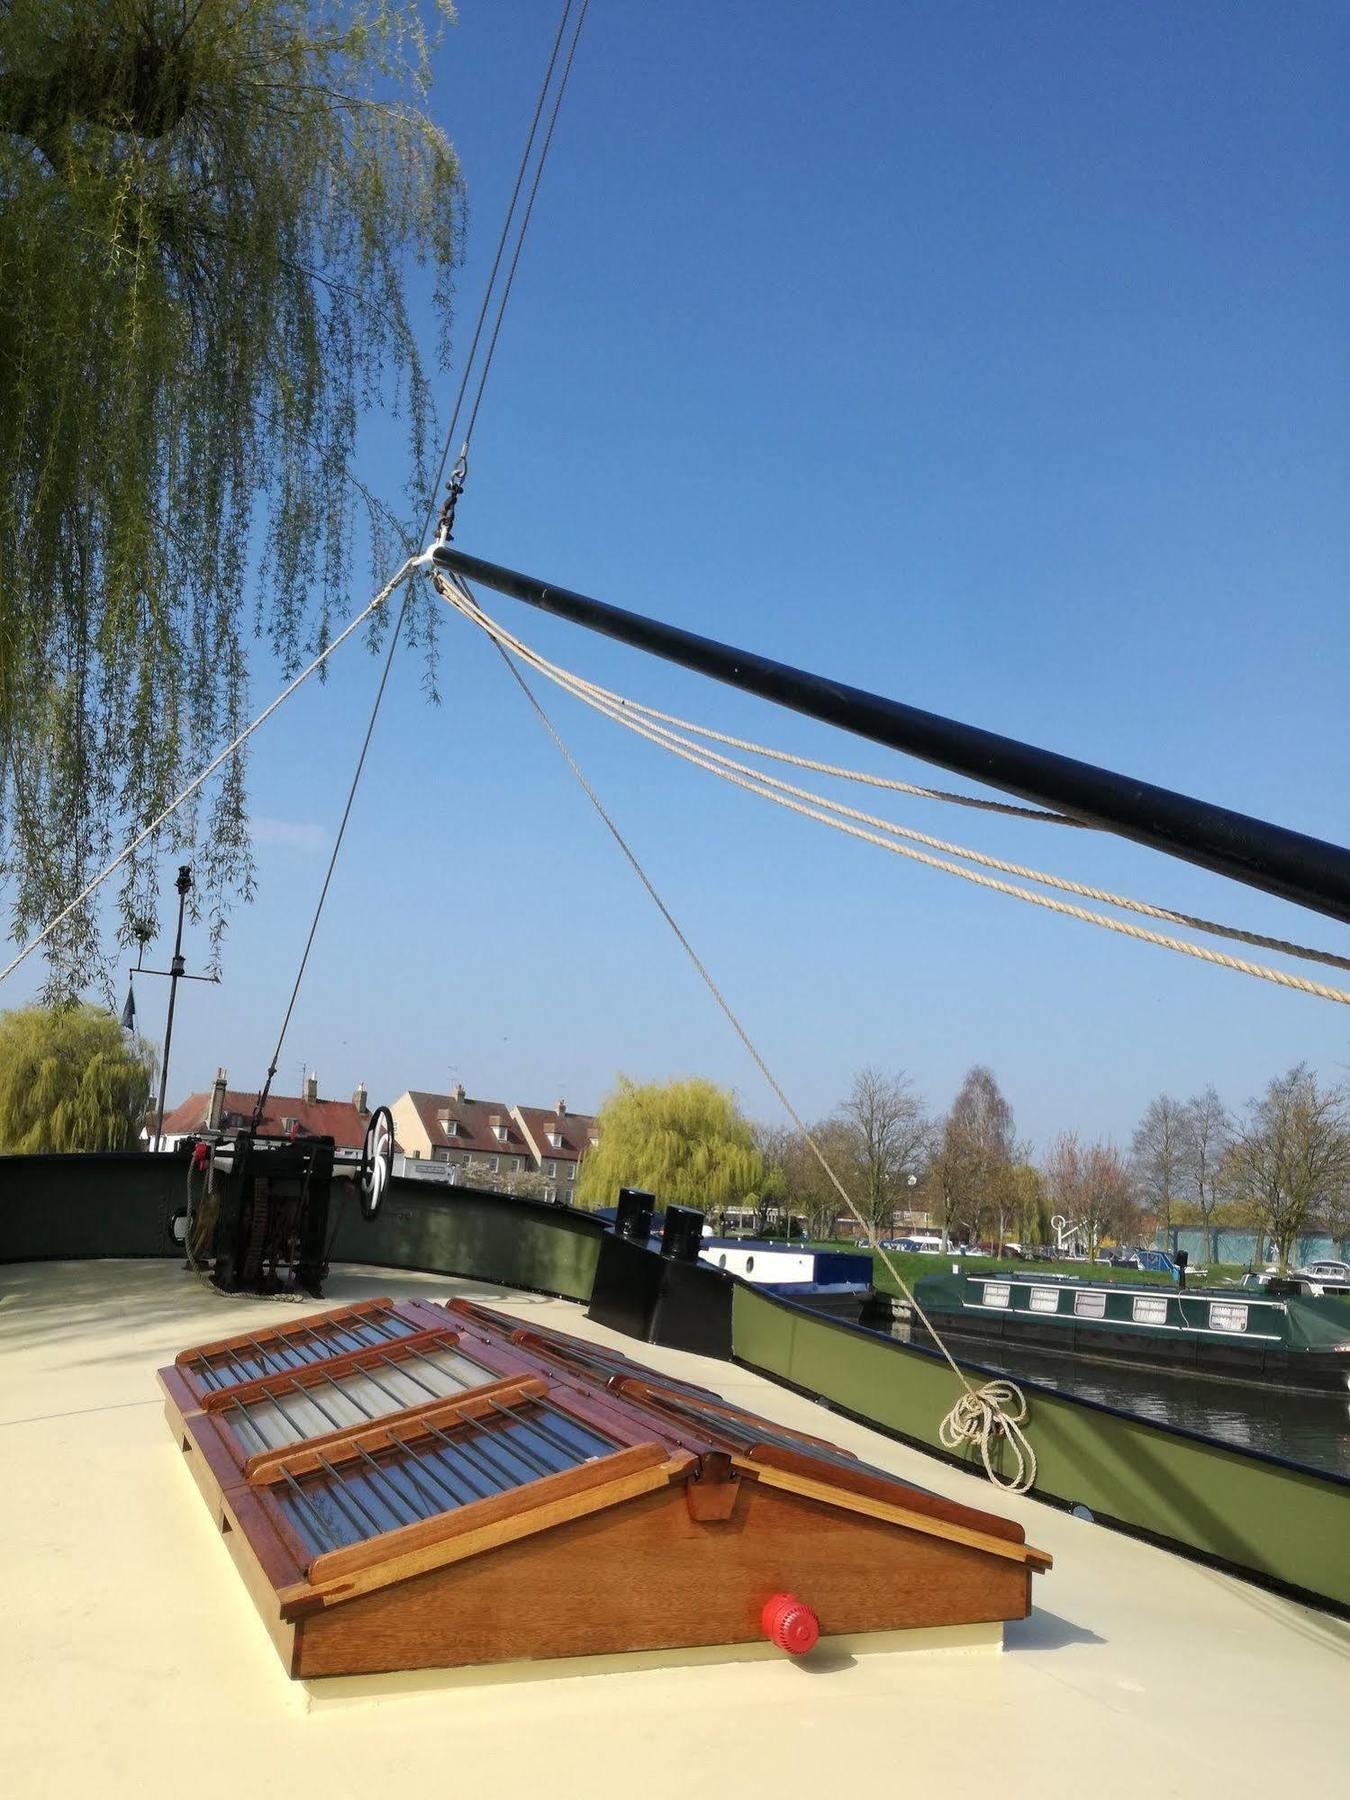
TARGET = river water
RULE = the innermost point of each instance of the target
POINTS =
(1313, 1429)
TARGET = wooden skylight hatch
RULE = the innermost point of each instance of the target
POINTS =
(404, 1485)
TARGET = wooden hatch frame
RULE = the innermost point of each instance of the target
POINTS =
(674, 1533)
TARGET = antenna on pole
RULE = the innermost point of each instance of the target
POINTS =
(176, 972)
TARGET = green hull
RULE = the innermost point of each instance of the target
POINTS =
(1292, 1340)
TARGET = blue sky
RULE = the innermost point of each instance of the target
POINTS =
(991, 357)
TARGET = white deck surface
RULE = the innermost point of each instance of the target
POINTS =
(132, 1661)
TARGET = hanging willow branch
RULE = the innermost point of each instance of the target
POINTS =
(207, 213)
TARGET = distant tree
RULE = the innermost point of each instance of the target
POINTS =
(945, 1184)
(890, 1133)
(1289, 1161)
(810, 1195)
(685, 1141)
(1031, 1212)
(1158, 1159)
(1206, 1132)
(70, 1080)
(769, 1200)
(1090, 1185)
(973, 1159)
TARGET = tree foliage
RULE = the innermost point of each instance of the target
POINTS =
(1090, 1187)
(70, 1080)
(1289, 1164)
(206, 210)
(1158, 1158)
(1207, 1133)
(890, 1132)
(686, 1141)
(972, 1171)
(809, 1194)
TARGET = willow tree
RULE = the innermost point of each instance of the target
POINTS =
(70, 1079)
(687, 1142)
(210, 211)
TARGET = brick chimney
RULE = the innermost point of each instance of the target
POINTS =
(311, 1090)
(459, 1093)
(361, 1099)
(216, 1110)
(561, 1109)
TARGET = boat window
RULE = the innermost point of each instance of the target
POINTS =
(1148, 1311)
(997, 1293)
(1225, 1316)
(722, 1260)
(749, 1264)
(1045, 1300)
(1089, 1305)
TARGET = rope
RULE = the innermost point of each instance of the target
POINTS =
(862, 776)
(1026, 1466)
(992, 1413)
(210, 769)
(837, 815)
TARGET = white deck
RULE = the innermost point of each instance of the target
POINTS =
(132, 1661)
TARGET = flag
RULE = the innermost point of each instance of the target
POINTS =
(129, 1010)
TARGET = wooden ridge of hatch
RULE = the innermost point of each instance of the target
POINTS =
(406, 1485)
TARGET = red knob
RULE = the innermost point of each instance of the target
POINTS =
(790, 1623)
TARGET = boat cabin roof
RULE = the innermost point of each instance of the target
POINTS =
(132, 1648)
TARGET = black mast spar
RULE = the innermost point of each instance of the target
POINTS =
(1295, 867)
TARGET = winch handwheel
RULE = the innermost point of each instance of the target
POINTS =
(377, 1161)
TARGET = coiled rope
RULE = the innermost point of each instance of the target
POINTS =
(998, 1424)
(994, 1413)
(835, 814)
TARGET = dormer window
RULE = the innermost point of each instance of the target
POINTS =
(450, 1127)
(497, 1125)
(554, 1136)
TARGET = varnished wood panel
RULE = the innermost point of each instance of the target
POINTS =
(648, 1576)
(891, 1513)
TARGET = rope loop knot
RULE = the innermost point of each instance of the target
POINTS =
(991, 1415)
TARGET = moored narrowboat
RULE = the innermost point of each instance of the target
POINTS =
(837, 1282)
(1291, 1339)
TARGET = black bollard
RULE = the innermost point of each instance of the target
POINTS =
(633, 1216)
(683, 1235)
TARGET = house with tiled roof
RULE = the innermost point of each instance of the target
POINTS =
(558, 1140)
(223, 1108)
(457, 1129)
(529, 1149)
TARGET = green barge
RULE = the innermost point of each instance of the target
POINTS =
(1292, 1340)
